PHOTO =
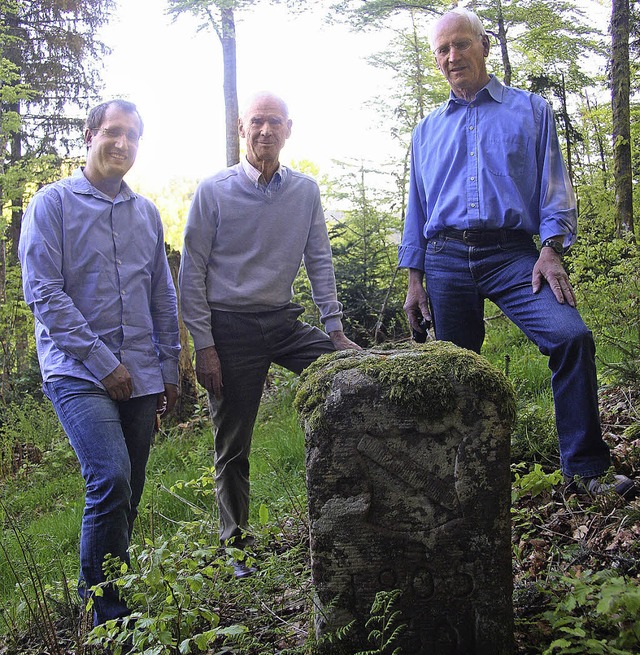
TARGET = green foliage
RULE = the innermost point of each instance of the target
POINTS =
(608, 273)
(35, 597)
(384, 624)
(28, 428)
(16, 338)
(534, 482)
(590, 605)
(529, 482)
(383, 629)
(535, 437)
(177, 581)
(363, 240)
(173, 202)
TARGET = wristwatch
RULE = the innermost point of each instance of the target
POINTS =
(556, 246)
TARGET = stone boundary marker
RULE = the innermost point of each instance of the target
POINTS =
(409, 488)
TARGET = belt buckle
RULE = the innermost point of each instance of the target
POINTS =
(467, 237)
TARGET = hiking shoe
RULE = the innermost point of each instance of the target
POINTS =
(241, 570)
(604, 484)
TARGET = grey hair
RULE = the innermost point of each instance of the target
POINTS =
(261, 95)
(474, 22)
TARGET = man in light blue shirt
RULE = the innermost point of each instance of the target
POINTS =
(96, 277)
(487, 174)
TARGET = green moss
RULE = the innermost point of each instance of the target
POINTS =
(425, 375)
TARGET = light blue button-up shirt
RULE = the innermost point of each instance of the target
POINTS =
(96, 277)
(258, 180)
(491, 163)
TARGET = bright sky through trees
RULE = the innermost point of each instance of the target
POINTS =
(174, 75)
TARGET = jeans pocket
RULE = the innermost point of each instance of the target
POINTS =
(436, 245)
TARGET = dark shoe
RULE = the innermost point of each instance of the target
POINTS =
(602, 485)
(241, 570)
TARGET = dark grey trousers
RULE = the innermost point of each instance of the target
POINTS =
(247, 344)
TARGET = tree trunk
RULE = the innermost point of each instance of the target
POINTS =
(567, 127)
(504, 51)
(228, 39)
(16, 203)
(620, 83)
(187, 384)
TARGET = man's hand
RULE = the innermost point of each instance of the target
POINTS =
(167, 400)
(118, 383)
(549, 267)
(416, 306)
(209, 371)
(341, 342)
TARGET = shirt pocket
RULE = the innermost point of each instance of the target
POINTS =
(507, 155)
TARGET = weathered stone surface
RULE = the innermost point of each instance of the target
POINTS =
(409, 488)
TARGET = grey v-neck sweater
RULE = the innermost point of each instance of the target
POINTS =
(243, 249)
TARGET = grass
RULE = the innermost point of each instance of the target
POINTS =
(46, 501)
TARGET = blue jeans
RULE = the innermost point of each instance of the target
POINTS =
(112, 441)
(458, 279)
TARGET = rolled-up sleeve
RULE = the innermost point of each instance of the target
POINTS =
(412, 249)
(558, 214)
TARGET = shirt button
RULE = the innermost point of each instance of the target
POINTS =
(115, 234)
(118, 261)
(124, 292)
(470, 127)
(473, 179)
(473, 204)
(472, 153)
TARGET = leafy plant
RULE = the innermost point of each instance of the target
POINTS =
(590, 605)
(176, 581)
(384, 624)
(534, 482)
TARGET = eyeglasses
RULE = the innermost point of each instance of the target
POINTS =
(460, 46)
(116, 133)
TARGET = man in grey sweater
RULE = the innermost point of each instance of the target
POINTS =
(249, 228)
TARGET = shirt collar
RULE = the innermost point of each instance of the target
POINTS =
(494, 88)
(255, 175)
(80, 184)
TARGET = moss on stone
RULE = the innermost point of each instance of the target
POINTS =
(425, 375)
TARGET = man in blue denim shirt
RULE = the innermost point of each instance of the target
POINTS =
(487, 174)
(96, 277)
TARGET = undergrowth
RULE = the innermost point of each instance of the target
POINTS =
(576, 564)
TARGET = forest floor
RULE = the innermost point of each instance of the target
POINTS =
(559, 542)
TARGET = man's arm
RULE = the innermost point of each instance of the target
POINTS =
(118, 384)
(319, 265)
(40, 252)
(199, 235)
(168, 399)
